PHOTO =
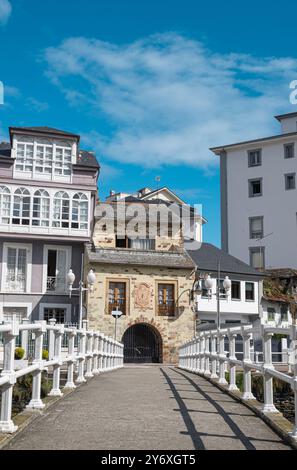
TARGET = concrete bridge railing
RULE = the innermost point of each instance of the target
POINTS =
(206, 355)
(91, 351)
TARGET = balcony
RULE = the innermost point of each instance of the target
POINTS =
(15, 283)
(55, 284)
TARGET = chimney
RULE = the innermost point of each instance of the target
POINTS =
(111, 192)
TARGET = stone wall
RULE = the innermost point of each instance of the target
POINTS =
(141, 284)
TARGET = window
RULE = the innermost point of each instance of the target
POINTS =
(16, 269)
(21, 207)
(24, 157)
(255, 157)
(56, 271)
(257, 257)
(166, 301)
(41, 208)
(5, 200)
(256, 227)
(289, 150)
(135, 243)
(117, 297)
(255, 187)
(284, 313)
(59, 314)
(270, 314)
(48, 159)
(235, 290)
(61, 210)
(19, 312)
(79, 211)
(141, 243)
(290, 181)
(249, 291)
(204, 292)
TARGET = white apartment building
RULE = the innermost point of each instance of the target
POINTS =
(259, 198)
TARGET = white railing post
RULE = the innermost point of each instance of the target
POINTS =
(247, 375)
(6, 423)
(103, 353)
(222, 359)
(51, 339)
(214, 374)
(25, 337)
(207, 372)
(36, 402)
(232, 356)
(202, 353)
(81, 355)
(70, 360)
(95, 369)
(267, 378)
(89, 355)
(55, 391)
(100, 352)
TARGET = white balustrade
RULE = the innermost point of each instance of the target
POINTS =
(96, 353)
(205, 355)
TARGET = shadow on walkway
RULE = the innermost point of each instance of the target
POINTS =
(194, 433)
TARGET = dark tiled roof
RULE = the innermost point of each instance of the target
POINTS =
(141, 258)
(207, 256)
(86, 158)
(44, 129)
(5, 149)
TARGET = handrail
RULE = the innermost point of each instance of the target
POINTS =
(96, 353)
(205, 355)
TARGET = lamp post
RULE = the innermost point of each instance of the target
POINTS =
(116, 314)
(208, 282)
(91, 278)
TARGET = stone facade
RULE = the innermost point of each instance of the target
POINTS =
(142, 299)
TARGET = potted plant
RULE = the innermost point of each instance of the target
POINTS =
(19, 361)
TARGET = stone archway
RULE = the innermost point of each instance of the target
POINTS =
(142, 343)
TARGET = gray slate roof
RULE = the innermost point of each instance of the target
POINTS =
(141, 258)
(207, 256)
(45, 129)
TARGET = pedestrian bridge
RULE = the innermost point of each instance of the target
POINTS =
(148, 407)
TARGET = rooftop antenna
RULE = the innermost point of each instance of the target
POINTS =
(158, 179)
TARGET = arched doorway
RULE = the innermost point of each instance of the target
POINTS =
(142, 343)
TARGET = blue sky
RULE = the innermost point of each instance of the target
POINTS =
(150, 85)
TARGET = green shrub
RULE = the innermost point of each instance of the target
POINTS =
(19, 353)
(22, 391)
(45, 355)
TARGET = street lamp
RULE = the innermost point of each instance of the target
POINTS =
(208, 283)
(91, 278)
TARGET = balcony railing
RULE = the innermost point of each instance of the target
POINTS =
(55, 284)
(16, 283)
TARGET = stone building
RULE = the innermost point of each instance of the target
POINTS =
(147, 276)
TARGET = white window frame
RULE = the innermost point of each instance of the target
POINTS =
(50, 229)
(64, 144)
(27, 305)
(46, 248)
(27, 247)
(42, 306)
(42, 197)
(3, 194)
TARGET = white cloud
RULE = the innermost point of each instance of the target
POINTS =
(5, 11)
(36, 105)
(168, 98)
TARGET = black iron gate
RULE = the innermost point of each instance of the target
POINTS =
(141, 344)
